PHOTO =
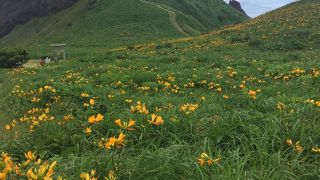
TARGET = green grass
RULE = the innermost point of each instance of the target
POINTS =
(3, 116)
(249, 133)
(114, 23)
(209, 14)
(2, 75)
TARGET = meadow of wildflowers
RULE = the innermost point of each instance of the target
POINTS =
(208, 107)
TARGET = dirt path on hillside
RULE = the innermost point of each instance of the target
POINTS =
(172, 14)
(33, 63)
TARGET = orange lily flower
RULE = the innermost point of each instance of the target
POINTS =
(126, 125)
(156, 120)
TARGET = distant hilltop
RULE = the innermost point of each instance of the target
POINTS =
(235, 4)
(34, 24)
(13, 12)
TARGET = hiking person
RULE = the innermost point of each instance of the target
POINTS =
(47, 60)
(42, 62)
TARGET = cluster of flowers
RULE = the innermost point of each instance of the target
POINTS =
(74, 78)
(205, 159)
(312, 101)
(297, 147)
(32, 168)
(189, 108)
(119, 142)
(92, 175)
(35, 116)
(253, 93)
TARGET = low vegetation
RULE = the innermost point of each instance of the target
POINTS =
(12, 58)
(221, 105)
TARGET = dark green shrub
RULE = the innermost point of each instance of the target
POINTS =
(222, 17)
(293, 56)
(239, 38)
(92, 2)
(163, 46)
(316, 42)
(293, 45)
(304, 33)
(256, 43)
(12, 58)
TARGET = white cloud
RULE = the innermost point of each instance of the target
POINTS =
(257, 7)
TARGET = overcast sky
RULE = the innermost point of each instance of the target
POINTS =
(257, 7)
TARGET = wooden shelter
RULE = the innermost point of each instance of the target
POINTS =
(59, 49)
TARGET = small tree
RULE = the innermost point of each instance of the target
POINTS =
(12, 58)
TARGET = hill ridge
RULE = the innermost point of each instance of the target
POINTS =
(104, 24)
(15, 13)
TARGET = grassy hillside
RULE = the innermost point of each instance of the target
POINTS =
(212, 106)
(111, 23)
(290, 28)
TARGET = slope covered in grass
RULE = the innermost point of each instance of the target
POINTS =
(291, 28)
(110, 23)
(200, 107)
